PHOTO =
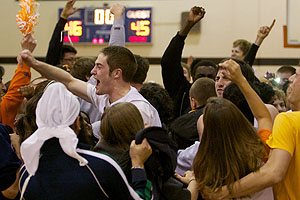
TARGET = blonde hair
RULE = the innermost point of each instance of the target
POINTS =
(243, 44)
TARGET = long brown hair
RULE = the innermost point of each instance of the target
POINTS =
(120, 123)
(230, 147)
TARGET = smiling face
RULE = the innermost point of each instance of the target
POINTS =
(237, 53)
(279, 104)
(221, 83)
(102, 75)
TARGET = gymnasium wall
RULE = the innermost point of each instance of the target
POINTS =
(224, 22)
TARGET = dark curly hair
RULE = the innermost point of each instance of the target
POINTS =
(160, 100)
(266, 92)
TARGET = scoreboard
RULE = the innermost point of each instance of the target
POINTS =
(93, 25)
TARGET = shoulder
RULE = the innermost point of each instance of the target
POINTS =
(138, 100)
(291, 117)
(100, 159)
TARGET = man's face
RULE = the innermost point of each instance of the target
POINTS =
(237, 53)
(284, 77)
(69, 59)
(221, 83)
(101, 74)
(204, 71)
(294, 96)
(279, 104)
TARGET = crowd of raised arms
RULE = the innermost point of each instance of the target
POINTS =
(92, 129)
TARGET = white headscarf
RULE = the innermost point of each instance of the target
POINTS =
(56, 111)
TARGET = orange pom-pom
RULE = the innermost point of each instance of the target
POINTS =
(27, 17)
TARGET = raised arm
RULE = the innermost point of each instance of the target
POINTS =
(56, 42)
(195, 15)
(12, 100)
(262, 33)
(76, 86)
(172, 72)
(258, 108)
(117, 34)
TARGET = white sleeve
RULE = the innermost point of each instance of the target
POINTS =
(149, 113)
(117, 34)
(185, 158)
(91, 93)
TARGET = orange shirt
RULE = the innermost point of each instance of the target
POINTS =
(264, 135)
(12, 100)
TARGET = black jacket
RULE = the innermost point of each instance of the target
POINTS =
(184, 128)
(172, 73)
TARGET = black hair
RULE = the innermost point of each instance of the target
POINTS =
(233, 93)
(286, 68)
(2, 71)
(67, 49)
(286, 86)
(160, 100)
(266, 92)
(198, 62)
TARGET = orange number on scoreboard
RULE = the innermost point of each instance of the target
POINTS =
(74, 28)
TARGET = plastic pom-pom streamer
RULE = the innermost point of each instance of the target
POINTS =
(28, 16)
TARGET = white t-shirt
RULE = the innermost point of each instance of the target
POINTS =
(89, 108)
(148, 112)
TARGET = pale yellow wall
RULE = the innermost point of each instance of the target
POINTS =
(224, 22)
(154, 73)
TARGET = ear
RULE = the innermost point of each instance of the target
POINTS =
(117, 73)
(193, 103)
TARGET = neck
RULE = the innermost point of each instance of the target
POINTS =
(119, 91)
(295, 107)
(137, 85)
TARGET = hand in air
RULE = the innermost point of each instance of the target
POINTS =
(196, 14)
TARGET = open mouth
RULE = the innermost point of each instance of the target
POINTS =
(98, 82)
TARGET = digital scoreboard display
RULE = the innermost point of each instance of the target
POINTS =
(93, 25)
